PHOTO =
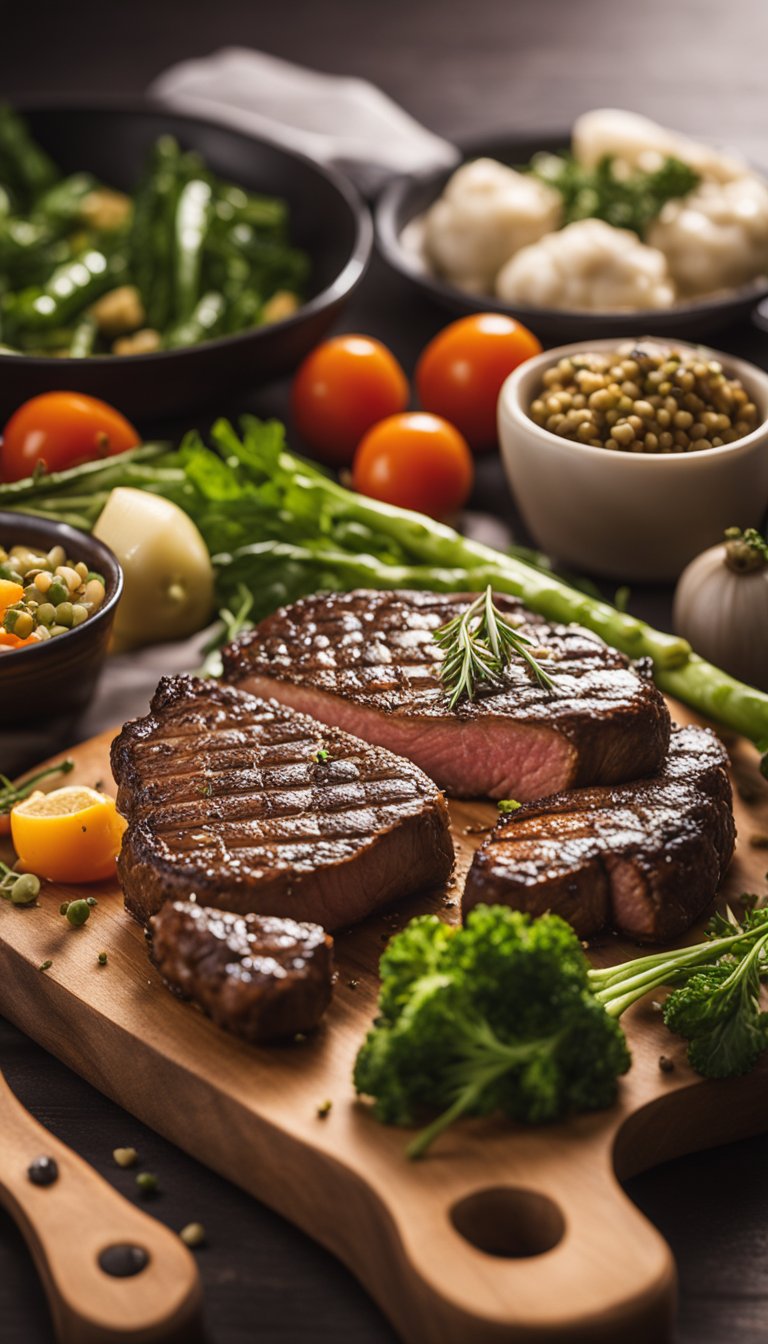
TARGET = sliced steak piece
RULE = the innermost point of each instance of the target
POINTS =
(367, 662)
(255, 975)
(246, 805)
(645, 858)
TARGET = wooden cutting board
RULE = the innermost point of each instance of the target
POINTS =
(501, 1234)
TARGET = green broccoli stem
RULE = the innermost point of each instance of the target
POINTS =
(465, 1101)
(618, 987)
(486, 1058)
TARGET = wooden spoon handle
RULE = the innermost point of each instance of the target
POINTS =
(110, 1271)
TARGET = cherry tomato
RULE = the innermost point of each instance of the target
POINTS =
(460, 373)
(416, 461)
(60, 430)
(343, 387)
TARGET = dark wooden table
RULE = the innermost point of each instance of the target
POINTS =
(464, 70)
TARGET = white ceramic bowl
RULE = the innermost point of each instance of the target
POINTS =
(635, 516)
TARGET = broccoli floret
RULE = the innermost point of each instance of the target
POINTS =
(497, 1015)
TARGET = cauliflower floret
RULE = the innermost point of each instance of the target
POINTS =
(588, 265)
(637, 143)
(716, 237)
(486, 214)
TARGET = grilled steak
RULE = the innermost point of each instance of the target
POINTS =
(246, 805)
(255, 975)
(646, 858)
(367, 662)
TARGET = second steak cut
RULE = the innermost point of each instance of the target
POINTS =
(644, 858)
(367, 662)
(244, 805)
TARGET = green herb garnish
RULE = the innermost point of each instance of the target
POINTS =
(507, 805)
(479, 645)
(627, 202)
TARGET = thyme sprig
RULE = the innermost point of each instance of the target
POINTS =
(479, 645)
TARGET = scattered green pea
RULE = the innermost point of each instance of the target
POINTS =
(25, 889)
(45, 965)
(193, 1234)
(102, 958)
(125, 1157)
(324, 1110)
(147, 1182)
(77, 913)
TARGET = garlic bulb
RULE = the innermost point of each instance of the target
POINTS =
(721, 606)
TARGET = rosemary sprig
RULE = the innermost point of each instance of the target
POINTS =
(11, 794)
(478, 645)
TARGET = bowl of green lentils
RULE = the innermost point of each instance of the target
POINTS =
(59, 590)
(629, 457)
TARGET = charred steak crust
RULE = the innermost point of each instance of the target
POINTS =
(257, 976)
(646, 858)
(227, 802)
(367, 662)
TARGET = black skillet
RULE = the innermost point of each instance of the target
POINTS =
(328, 219)
(405, 198)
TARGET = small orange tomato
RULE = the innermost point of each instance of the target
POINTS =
(343, 387)
(69, 835)
(60, 430)
(460, 372)
(416, 461)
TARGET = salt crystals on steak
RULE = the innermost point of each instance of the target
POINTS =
(366, 662)
(249, 806)
(644, 858)
(257, 976)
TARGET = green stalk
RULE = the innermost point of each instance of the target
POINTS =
(718, 696)
(637, 978)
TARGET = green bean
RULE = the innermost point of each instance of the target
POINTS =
(71, 288)
(24, 165)
(83, 337)
(62, 203)
(204, 321)
(190, 230)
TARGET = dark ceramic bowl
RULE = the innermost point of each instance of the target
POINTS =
(56, 679)
(327, 219)
(406, 198)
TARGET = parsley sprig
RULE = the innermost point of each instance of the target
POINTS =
(479, 645)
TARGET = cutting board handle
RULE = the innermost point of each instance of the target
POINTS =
(110, 1271)
(546, 1248)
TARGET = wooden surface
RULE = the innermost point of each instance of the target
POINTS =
(697, 65)
(68, 1225)
(574, 1260)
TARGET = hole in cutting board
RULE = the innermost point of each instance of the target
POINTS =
(508, 1221)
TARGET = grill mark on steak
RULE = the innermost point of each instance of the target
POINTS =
(276, 832)
(259, 977)
(646, 858)
(367, 662)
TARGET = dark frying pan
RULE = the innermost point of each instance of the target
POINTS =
(406, 198)
(328, 220)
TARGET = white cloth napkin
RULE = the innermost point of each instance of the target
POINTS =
(340, 120)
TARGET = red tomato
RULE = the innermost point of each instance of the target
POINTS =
(416, 461)
(62, 429)
(342, 388)
(460, 373)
